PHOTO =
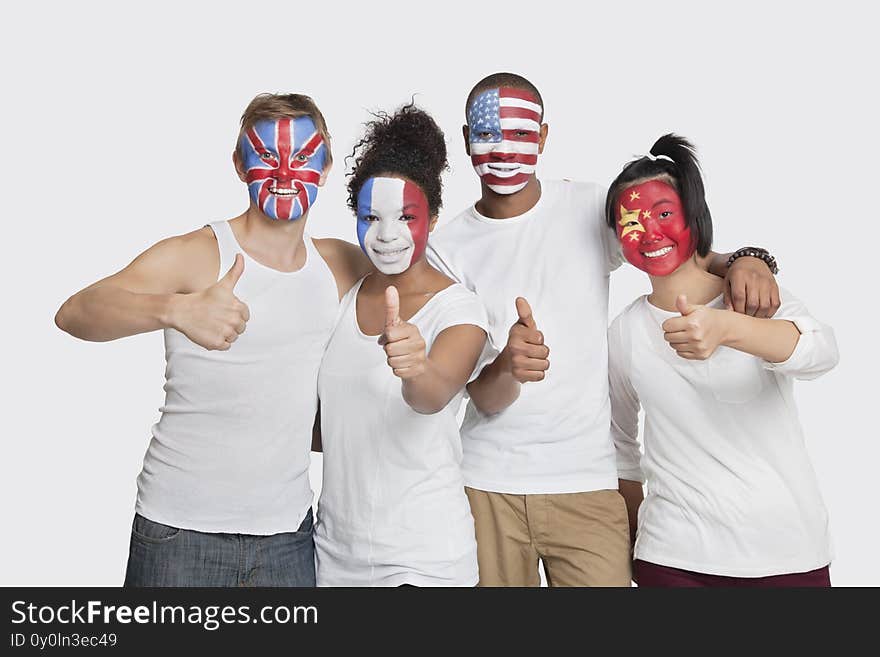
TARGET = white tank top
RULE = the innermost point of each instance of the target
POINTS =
(230, 452)
(393, 508)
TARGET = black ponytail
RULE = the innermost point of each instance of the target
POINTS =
(675, 160)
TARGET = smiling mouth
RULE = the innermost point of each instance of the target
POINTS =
(503, 167)
(659, 253)
(283, 191)
(391, 253)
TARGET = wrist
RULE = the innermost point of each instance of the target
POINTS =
(732, 327)
(169, 308)
(754, 252)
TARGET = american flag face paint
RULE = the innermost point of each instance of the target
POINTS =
(392, 223)
(652, 229)
(504, 129)
(283, 162)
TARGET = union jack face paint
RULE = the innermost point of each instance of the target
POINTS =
(283, 162)
(504, 129)
(392, 223)
(653, 232)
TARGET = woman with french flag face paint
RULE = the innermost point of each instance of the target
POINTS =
(408, 338)
(283, 164)
(392, 223)
(505, 137)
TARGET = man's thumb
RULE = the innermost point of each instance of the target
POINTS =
(524, 310)
(682, 305)
(234, 272)
(392, 307)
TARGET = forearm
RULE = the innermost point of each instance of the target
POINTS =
(496, 388)
(716, 263)
(430, 391)
(103, 313)
(773, 340)
(633, 495)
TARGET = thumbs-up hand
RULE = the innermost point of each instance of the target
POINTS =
(698, 332)
(527, 356)
(403, 343)
(214, 317)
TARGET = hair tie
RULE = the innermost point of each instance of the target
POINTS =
(654, 158)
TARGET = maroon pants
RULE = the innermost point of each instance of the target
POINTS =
(649, 574)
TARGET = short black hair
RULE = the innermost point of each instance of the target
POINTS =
(408, 143)
(502, 80)
(682, 169)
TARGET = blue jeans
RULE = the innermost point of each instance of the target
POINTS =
(160, 555)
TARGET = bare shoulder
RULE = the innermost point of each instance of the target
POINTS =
(183, 263)
(346, 260)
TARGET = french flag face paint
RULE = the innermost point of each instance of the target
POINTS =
(392, 223)
(504, 129)
(654, 235)
(283, 162)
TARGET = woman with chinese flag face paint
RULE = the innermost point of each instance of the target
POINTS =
(732, 498)
(408, 339)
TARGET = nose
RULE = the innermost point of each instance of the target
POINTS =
(652, 230)
(387, 231)
(499, 154)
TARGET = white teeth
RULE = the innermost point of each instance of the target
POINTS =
(390, 253)
(503, 167)
(659, 252)
(280, 191)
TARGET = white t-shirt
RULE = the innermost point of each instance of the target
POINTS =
(393, 509)
(558, 255)
(731, 490)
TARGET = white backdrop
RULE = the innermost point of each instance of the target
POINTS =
(119, 125)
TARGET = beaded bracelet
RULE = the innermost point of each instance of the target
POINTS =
(755, 252)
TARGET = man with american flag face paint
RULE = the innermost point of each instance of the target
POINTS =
(246, 306)
(538, 460)
(505, 136)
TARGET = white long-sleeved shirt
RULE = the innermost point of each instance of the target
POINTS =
(731, 490)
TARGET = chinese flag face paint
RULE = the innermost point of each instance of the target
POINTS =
(651, 226)
(283, 162)
(392, 223)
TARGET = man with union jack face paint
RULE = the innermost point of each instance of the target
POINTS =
(283, 162)
(246, 306)
(538, 460)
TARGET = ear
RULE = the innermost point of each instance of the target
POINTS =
(431, 223)
(239, 166)
(466, 133)
(544, 130)
(326, 172)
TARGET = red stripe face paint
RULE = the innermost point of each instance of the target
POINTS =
(504, 133)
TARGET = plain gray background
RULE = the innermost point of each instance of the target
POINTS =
(119, 123)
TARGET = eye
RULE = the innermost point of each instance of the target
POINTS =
(302, 157)
(371, 217)
(407, 217)
(484, 134)
(267, 156)
(522, 133)
(630, 223)
(666, 214)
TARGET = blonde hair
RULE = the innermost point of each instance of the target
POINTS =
(271, 107)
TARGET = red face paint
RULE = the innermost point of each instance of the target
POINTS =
(652, 229)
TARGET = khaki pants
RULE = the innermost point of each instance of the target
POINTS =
(582, 538)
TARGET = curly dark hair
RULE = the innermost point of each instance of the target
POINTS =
(407, 143)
